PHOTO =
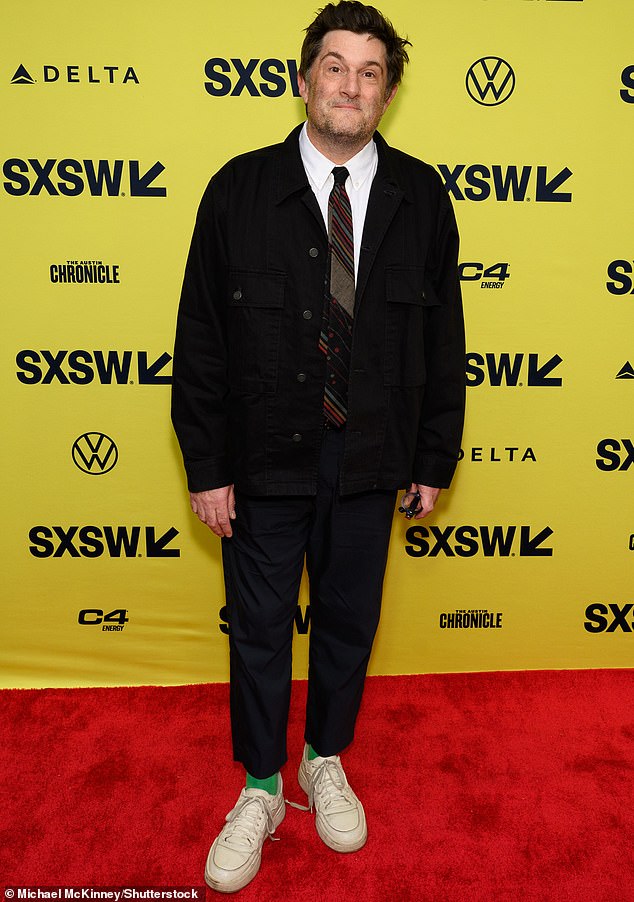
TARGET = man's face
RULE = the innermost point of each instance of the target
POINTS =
(345, 92)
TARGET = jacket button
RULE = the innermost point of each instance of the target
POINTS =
(297, 437)
(307, 314)
(301, 377)
(313, 252)
(237, 295)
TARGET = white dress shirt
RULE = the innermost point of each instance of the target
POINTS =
(362, 169)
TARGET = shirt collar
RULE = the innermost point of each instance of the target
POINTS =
(319, 168)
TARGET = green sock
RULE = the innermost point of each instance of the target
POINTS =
(269, 785)
(312, 753)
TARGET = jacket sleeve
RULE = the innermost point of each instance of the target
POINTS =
(442, 414)
(199, 389)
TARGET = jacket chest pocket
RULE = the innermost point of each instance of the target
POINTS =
(254, 322)
(407, 297)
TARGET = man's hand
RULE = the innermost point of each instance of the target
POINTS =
(216, 508)
(428, 496)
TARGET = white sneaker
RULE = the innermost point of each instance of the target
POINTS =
(234, 858)
(339, 815)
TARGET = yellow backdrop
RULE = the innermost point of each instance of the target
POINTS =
(114, 118)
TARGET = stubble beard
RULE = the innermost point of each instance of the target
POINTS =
(345, 138)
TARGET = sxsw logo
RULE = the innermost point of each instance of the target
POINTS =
(615, 454)
(94, 75)
(95, 453)
(468, 541)
(259, 78)
(81, 367)
(607, 618)
(508, 369)
(301, 620)
(96, 541)
(490, 81)
(627, 80)
(505, 183)
(70, 177)
(620, 274)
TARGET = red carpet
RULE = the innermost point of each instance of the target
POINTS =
(503, 787)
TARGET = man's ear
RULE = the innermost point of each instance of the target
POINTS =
(303, 87)
(390, 97)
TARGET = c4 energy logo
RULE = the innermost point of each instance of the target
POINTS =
(91, 75)
(82, 367)
(492, 276)
(95, 453)
(627, 80)
(620, 277)
(480, 181)
(96, 541)
(607, 618)
(259, 78)
(110, 622)
(615, 454)
(490, 81)
(70, 178)
(512, 370)
(469, 541)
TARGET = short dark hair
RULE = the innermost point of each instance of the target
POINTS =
(350, 15)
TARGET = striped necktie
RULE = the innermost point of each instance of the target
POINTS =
(336, 333)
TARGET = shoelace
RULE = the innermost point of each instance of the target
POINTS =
(329, 781)
(245, 823)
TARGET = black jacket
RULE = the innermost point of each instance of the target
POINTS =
(248, 373)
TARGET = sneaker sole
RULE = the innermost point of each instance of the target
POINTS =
(246, 876)
(304, 782)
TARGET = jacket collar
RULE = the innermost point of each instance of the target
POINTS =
(291, 175)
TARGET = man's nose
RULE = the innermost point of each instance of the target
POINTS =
(350, 85)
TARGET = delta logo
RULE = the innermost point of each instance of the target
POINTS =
(71, 178)
(99, 541)
(469, 541)
(259, 78)
(512, 183)
(91, 75)
(510, 454)
(513, 370)
(626, 371)
(80, 367)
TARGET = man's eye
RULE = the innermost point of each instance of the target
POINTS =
(370, 74)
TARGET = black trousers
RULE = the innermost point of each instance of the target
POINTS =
(344, 541)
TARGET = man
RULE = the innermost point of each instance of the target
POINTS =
(318, 368)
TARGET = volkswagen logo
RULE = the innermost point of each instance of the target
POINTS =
(95, 453)
(490, 81)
